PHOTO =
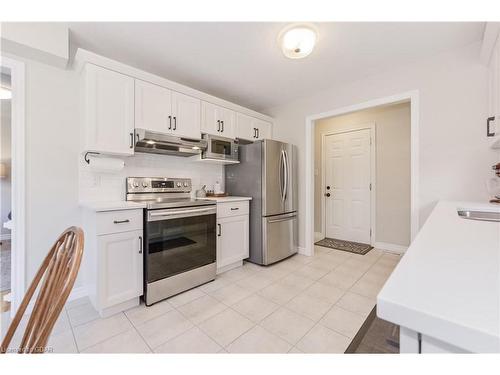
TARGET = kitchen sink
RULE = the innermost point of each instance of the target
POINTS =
(482, 215)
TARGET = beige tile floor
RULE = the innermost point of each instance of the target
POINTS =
(303, 304)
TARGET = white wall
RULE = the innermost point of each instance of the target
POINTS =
(454, 156)
(51, 158)
(5, 158)
(392, 168)
(47, 42)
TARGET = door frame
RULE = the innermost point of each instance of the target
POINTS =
(371, 126)
(18, 179)
(409, 96)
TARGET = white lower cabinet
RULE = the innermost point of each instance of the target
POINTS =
(232, 235)
(113, 259)
(120, 267)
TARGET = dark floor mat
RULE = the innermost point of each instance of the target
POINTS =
(352, 247)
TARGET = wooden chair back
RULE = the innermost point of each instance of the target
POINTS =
(58, 270)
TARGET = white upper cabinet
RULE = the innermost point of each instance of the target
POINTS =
(493, 121)
(186, 115)
(251, 128)
(109, 111)
(162, 110)
(153, 107)
(218, 120)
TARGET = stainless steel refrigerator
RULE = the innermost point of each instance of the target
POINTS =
(267, 173)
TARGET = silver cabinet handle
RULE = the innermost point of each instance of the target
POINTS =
(222, 122)
(121, 221)
(234, 208)
(218, 125)
(169, 122)
(257, 133)
(220, 230)
(140, 244)
(131, 140)
(175, 122)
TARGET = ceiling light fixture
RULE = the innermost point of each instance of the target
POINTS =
(5, 93)
(298, 40)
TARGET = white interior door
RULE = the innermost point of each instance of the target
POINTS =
(347, 185)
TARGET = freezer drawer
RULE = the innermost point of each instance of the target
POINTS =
(279, 237)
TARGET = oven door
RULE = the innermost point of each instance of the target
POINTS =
(179, 240)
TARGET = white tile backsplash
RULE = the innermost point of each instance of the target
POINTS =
(97, 187)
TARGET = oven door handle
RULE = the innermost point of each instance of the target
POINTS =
(169, 213)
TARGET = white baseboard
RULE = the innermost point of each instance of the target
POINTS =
(318, 236)
(77, 292)
(393, 248)
(5, 237)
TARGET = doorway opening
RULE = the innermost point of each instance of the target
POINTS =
(390, 165)
(363, 191)
(5, 190)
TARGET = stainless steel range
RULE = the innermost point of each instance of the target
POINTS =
(179, 236)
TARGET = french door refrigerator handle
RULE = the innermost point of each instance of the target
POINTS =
(280, 171)
(285, 177)
(283, 219)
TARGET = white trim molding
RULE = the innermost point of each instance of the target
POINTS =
(390, 247)
(18, 178)
(78, 292)
(302, 250)
(490, 37)
(318, 236)
(410, 96)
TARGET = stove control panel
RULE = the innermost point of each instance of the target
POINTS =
(158, 185)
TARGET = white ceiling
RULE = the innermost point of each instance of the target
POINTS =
(243, 63)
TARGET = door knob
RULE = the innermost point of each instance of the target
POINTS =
(327, 194)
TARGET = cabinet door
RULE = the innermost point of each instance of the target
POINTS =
(120, 267)
(232, 240)
(245, 128)
(187, 115)
(217, 120)
(153, 107)
(109, 112)
(210, 123)
(263, 129)
(228, 122)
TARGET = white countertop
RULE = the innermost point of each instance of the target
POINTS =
(112, 205)
(228, 199)
(447, 285)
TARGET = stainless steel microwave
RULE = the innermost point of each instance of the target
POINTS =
(220, 148)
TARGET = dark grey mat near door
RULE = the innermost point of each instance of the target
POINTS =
(349, 246)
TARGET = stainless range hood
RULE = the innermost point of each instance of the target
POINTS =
(160, 143)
